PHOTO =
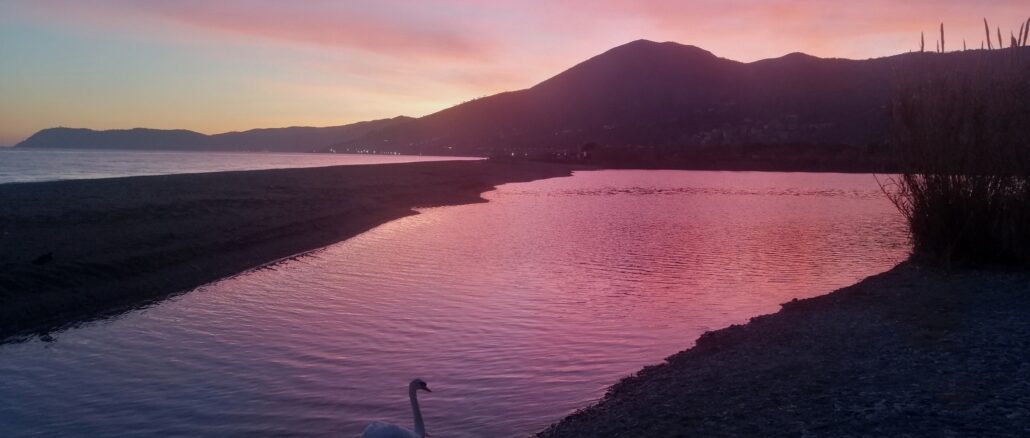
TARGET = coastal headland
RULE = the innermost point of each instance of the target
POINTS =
(78, 250)
(914, 351)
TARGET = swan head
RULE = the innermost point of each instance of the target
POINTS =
(419, 385)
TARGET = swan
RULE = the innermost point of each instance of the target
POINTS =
(380, 429)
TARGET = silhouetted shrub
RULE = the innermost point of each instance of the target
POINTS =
(963, 138)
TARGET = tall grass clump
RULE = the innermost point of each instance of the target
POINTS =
(961, 134)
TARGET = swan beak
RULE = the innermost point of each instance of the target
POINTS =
(427, 389)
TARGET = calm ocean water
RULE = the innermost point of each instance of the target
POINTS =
(516, 311)
(29, 165)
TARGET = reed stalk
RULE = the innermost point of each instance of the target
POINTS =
(987, 30)
(1027, 33)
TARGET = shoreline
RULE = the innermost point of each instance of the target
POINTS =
(913, 351)
(121, 243)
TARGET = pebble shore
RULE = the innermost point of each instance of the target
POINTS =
(911, 352)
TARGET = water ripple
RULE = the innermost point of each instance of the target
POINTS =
(516, 311)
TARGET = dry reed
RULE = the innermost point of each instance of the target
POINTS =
(963, 137)
(987, 29)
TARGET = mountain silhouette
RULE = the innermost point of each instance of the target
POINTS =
(293, 139)
(666, 99)
(668, 95)
(639, 104)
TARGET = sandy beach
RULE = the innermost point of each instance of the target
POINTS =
(115, 244)
(910, 352)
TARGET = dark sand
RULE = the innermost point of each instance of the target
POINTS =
(911, 352)
(122, 242)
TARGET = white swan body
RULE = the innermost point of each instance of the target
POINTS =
(380, 429)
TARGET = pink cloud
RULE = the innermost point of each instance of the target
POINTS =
(752, 29)
(549, 32)
(314, 23)
(298, 22)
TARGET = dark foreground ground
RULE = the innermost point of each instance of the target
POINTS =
(911, 352)
(122, 242)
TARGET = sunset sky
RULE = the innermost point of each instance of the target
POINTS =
(215, 66)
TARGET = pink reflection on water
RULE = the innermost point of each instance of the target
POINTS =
(515, 311)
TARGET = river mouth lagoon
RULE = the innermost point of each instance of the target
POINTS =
(517, 311)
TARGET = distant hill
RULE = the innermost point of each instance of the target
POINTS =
(671, 101)
(294, 139)
(642, 104)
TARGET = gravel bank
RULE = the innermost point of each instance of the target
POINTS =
(117, 243)
(910, 352)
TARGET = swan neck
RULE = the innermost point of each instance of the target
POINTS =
(420, 427)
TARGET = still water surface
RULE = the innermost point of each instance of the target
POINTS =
(32, 165)
(517, 311)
